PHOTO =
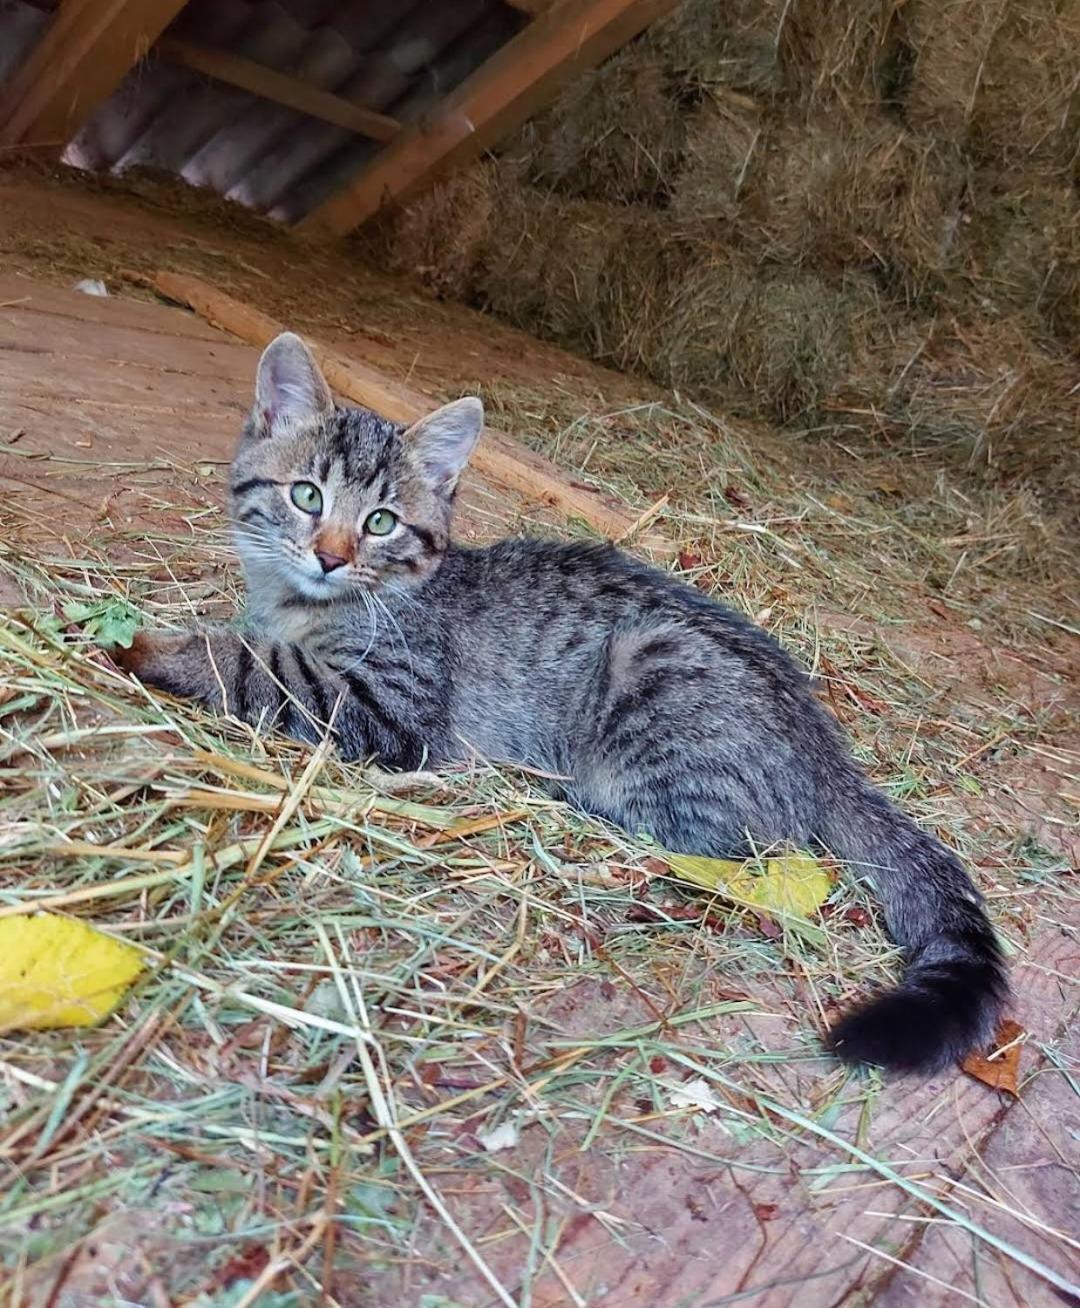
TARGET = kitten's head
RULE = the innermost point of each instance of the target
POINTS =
(328, 501)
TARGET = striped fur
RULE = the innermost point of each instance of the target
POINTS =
(664, 711)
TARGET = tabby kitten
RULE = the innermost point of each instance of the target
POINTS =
(663, 710)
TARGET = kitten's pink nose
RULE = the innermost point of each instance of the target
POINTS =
(329, 562)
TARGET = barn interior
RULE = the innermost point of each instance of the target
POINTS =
(784, 297)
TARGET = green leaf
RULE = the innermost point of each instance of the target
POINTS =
(112, 622)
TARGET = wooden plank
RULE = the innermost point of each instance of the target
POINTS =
(496, 456)
(124, 424)
(279, 87)
(121, 351)
(507, 89)
(24, 293)
(76, 66)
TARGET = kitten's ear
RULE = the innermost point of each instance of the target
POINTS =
(289, 388)
(442, 442)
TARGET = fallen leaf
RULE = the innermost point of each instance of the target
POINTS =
(112, 622)
(767, 926)
(697, 1093)
(689, 561)
(57, 971)
(1000, 1068)
(249, 1263)
(504, 1136)
(856, 915)
(793, 886)
(736, 497)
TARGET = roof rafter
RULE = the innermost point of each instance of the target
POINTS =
(513, 84)
(77, 64)
(279, 87)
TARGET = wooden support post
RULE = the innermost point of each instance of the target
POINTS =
(496, 456)
(500, 95)
(76, 66)
(279, 87)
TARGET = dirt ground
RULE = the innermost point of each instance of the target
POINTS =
(117, 417)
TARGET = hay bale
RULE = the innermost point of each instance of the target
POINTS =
(613, 134)
(636, 287)
(690, 341)
(1027, 110)
(841, 55)
(723, 156)
(949, 41)
(799, 336)
(1000, 77)
(986, 393)
(437, 239)
(585, 274)
(822, 52)
(1021, 251)
(704, 45)
(867, 194)
(509, 277)
(786, 339)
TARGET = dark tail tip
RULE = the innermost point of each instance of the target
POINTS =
(941, 1011)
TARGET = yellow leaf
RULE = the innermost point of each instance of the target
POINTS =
(58, 971)
(793, 886)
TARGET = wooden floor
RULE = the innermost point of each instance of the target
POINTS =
(116, 411)
(119, 415)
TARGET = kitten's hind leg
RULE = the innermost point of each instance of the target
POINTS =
(679, 742)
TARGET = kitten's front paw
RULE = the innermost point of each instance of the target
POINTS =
(154, 657)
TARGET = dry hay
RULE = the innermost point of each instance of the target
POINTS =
(752, 201)
(703, 45)
(1028, 106)
(723, 154)
(541, 266)
(984, 393)
(637, 289)
(829, 194)
(613, 134)
(1002, 78)
(872, 196)
(798, 336)
(575, 271)
(841, 55)
(437, 238)
(771, 341)
(692, 344)
(823, 52)
(1022, 251)
(950, 41)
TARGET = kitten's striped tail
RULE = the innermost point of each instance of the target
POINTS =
(954, 984)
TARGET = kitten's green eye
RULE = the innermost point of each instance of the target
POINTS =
(306, 496)
(380, 523)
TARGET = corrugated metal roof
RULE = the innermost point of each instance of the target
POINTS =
(394, 56)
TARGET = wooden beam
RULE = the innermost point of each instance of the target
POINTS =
(496, 457)
(76, 66)
(506, 90)
(530, 7)
(279, 87)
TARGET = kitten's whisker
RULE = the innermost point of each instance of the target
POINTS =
(397, 627)
(372, 615)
